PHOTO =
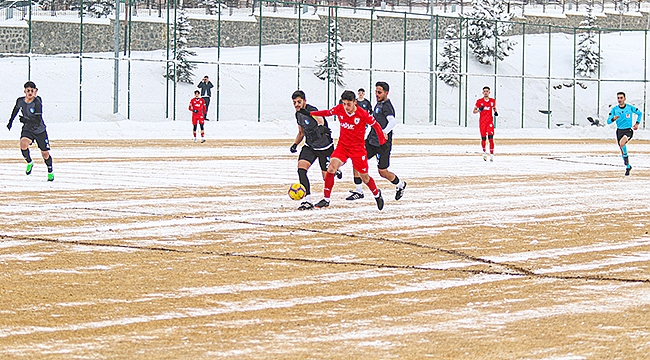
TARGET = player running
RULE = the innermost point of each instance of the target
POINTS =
(351, 145)
(318, 144)
(198, 109)
(622, 115)
(486, 106)
(384, 114)
(31, 108)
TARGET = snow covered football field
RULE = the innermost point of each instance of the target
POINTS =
(170, 249)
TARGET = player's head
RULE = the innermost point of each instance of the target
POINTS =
(620, 97)
(298, 98)
(197, 94)
(486, 91)
(30, 90)
(361, 92)
(349, 101)
(206, 78)
(381, 90)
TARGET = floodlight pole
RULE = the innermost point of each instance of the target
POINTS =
(116, 61)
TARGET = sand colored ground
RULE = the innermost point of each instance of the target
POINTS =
(169, 249)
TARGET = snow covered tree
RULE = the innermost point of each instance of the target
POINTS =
(587, 55)
(95, 8)
(183, 67)
(449, 67)
(486, 29)
(332, 65)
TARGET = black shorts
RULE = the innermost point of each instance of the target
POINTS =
(624, 132)
(41, 139)
(309, 154)
(383, 157)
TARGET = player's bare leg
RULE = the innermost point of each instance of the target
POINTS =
(370, 183)
(334, 165)
(303, 167)
(622, 144)
(400, 185)
(24, 148)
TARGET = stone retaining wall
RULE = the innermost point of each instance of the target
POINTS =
(63, 37)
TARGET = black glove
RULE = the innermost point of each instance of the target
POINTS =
(9, 125)
(293, 148)
(481, 108)
(304, 111)
(496, 113)
(195, 111)
(339, 174)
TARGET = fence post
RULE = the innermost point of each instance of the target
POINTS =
(218, 88)
(259, 70)
(523, 71)
(372, 17)
(166, 67)
(404, 77)
(645, 73)
(574, 76)
(598, 96)
(548, 85)
(29, 43)
(460, 82)
(81, 50)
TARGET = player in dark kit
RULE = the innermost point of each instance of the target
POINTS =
(351, 145)
(384, 114)
(362, 102)
(31, 108)
(318, 144)
(486, 106)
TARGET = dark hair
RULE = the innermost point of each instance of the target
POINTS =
(196, 91)
(30, 84)
(348, 95)
(620, 93)
(361, 90)
(206, 77)
(298, 94)
(383, 85)
(486, 87)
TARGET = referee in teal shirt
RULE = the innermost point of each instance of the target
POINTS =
(622, 115)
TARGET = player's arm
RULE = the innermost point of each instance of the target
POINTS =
(297, 140)
(639, 116)
(320, 120)
(329, 112)
(611, 118)
(14, 112)
(378, 130)
(477, 109)
(391, 123)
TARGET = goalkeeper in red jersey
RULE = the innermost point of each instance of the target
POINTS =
(351, 144)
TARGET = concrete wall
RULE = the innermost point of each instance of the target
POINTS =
(62, 37)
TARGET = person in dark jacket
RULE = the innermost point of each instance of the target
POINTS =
(205, 85)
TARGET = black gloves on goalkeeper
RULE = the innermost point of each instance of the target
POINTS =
(294, 148)
(496, 113)
(481, 108)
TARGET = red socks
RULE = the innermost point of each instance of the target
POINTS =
(329, 184)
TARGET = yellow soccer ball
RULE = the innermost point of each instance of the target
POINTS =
(297, 191)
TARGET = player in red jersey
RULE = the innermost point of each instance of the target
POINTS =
(198, 109)
(351, 145)
(486, 105)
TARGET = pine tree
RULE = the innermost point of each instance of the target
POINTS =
(449, 67)
(183, 67)
(587, 56)
(487, 26)
(332, 64)
(95, 8)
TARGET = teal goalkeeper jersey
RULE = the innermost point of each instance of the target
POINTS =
(624, 120)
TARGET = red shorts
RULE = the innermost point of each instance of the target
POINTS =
(486, 128)
(359, 158)
(198, 120)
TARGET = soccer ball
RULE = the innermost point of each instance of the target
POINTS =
(297, 191)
